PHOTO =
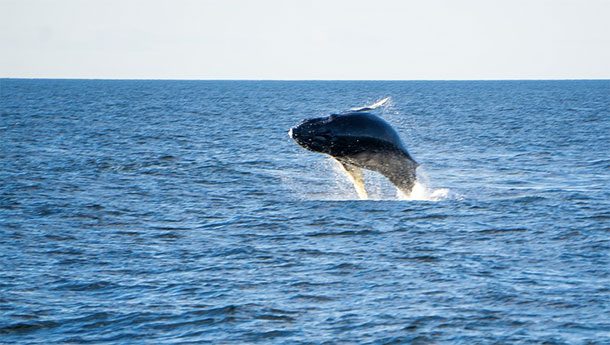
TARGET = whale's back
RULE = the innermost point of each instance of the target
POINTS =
(366, 127)
(362, 124)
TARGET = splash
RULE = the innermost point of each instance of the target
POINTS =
(365, 184)
(333, 184)
(421, 192)
(380, 189)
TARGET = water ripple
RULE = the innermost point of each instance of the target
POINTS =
(181, 212)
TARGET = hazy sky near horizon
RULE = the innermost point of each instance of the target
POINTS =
(300, 39)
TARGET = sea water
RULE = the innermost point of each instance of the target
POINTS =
(181, 212)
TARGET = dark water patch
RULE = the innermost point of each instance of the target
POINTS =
(169, 228)
(224, 310)
(169, 236)
(60, 237)
(603, 217)
(316, 252)
(502, 231)
(168, 158)
(308, 284)
(348, 266)
(88, 286)
(278, 318)
(425, 322)
(530, 199)
(425, 217)
(28, 327)
(268, 335)
(420, 258)
(171, 326)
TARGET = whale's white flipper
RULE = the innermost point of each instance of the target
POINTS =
(372, 106)
(357, 177)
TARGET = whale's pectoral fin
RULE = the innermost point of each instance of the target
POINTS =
(357, 177)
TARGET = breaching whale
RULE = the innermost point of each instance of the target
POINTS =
(359, 139)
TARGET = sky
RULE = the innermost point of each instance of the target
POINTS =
(301, 39)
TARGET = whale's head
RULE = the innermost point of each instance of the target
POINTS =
(345, 134)
(316, 135)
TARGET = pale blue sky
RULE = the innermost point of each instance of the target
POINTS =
(318, 39)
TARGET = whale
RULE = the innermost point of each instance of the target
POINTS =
(359, 139)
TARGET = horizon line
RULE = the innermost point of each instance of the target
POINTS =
(300, 80)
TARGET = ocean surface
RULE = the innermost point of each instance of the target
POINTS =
(165, 212)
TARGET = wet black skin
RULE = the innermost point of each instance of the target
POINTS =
(361, 139)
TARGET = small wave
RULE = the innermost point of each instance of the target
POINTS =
(312, 298)
(268, 335)
(344, 233)
(502, 230)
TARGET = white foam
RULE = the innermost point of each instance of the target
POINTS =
(421, 192)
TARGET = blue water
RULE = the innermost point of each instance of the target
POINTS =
(181, 212)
